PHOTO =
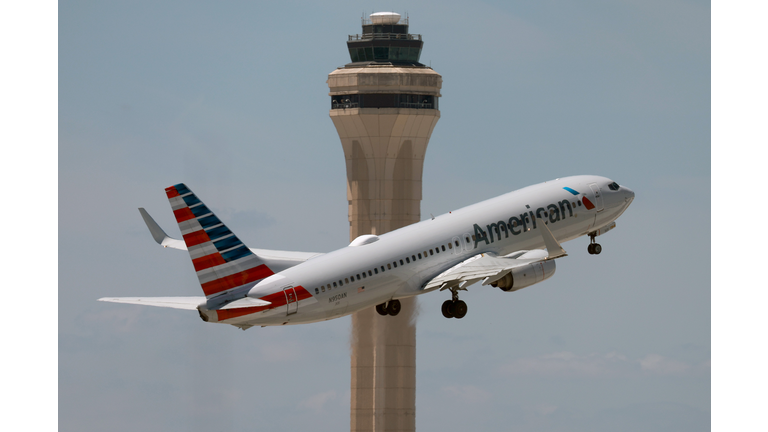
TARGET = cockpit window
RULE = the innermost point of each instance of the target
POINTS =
(614, 186)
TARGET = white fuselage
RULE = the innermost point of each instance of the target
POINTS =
(361, 276)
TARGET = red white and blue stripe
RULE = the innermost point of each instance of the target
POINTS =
(221, 260)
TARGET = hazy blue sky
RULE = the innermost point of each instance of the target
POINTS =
(231, 99)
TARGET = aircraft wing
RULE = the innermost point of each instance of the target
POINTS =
(532, 266)
(482, 267)
(276, 259)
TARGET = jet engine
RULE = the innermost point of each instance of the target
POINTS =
(526, 275)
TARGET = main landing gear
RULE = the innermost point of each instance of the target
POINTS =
(391, 307)
(454, 308)
(594, 248)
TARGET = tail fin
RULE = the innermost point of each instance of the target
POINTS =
(221, 260)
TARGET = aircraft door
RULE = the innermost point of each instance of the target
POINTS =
(291, 301)
(455, 246)
(466, 240)
(598, 196)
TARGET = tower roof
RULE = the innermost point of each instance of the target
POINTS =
(385, 40)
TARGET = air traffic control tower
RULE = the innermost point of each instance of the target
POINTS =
(384, 105)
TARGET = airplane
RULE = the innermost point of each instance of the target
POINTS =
(509, 242)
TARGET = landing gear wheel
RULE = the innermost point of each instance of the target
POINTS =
(459, 309)
(447, 309)
(593, 248)
(382, 309)
(393, 307)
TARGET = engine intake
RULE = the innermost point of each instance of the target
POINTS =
(525, 276)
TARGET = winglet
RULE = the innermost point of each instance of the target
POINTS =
(554, 250)
(159, 235)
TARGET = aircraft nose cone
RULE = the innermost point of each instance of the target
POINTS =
(629, 195)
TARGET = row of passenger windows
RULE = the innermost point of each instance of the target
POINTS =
(406, 260)
(389, 266)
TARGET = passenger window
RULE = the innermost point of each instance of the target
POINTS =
(450, 246)
(401, 262)
(467, 240)
(389, 266)
(457, 243)
(376, 271)
(317, 291)
(394, 263)
(346, 280)
(430, 252)
(408, 260)
(444, 247)
(425, 254)
(473, 238)
(334, 284)
(358, 276)
(363, 275)
(369, 273)
(382, 268)
(437, 249)
(413, 257)
(419, 255)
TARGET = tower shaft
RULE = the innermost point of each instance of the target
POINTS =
(384, 106)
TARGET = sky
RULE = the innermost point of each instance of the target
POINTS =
(231, 99)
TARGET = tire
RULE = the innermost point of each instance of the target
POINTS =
(591, 249)
(393, 307)
(382, 309)
(459, 309)
(597, 249)
(447, 309)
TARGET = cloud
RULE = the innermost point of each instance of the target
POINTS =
(280, 352)
(568, 364)
(468, 394)
(656, 364)
(316, 402)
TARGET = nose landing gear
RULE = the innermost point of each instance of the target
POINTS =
(593, 248)
(454, 308)
(391, 307)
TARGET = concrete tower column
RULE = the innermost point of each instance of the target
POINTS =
(384, 105)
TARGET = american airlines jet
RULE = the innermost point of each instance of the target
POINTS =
(510, 242)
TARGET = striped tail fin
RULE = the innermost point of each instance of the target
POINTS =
(221, 260)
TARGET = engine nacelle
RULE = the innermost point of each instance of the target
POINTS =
(527, 275)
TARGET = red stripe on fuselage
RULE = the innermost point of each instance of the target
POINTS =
(208, 261)
(195, 238)
(183, 214)
(171, 192)
(277, 299)
(301, 293)
(236, 280)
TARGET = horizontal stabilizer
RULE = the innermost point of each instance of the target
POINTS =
(277, 260)
(246, 302)
(159, 235)
(188, 303)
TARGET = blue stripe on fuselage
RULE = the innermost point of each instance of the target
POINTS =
(571, 190)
